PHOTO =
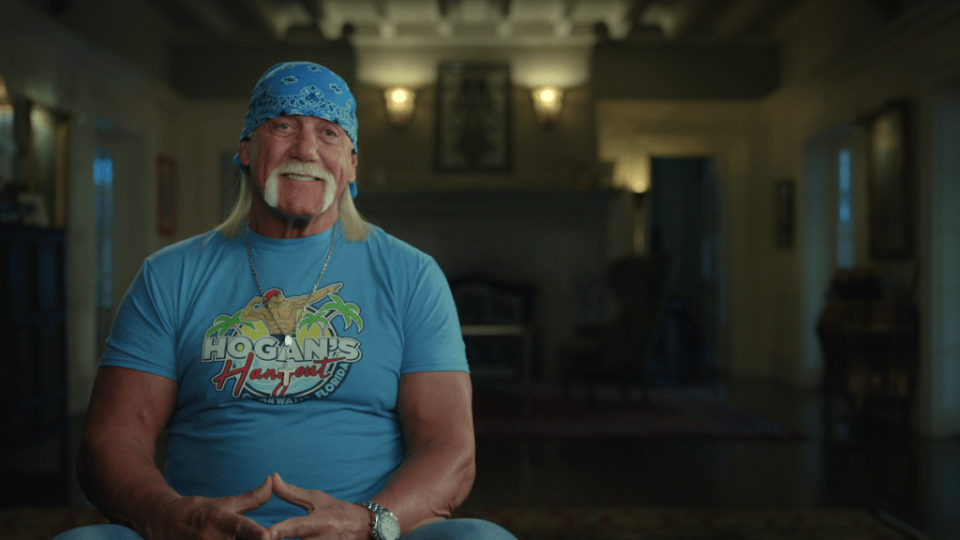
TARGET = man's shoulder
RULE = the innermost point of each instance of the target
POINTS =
(189, 248)
(391, 246)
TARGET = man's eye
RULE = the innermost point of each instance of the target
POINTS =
(330, 133)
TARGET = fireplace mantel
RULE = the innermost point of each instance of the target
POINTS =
(557, 241)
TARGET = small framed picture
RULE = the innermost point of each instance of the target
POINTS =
(473, 117)
(783, 213)
(47, 156)
(33, 209)
(888, 177)
(167, 173)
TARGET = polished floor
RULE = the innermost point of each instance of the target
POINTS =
(914, 479)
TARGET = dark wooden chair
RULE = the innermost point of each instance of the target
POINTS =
(618, 351)
(33, 368)
(871, 353)
(497, 321)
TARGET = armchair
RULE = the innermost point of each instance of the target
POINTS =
(618, 351)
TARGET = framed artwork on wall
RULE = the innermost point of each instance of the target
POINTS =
(473, 117)
(783, 220)
(8, 142)
(167, 177)
(890, 194)
(46, 167)
(229, 183)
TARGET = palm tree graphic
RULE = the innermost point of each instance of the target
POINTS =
(336, 307)
(223, 323)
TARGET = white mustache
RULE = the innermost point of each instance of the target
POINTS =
(303, 169)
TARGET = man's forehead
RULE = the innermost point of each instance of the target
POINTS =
(305, 120)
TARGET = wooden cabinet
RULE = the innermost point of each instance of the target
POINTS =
(33, 336)
(871, 355)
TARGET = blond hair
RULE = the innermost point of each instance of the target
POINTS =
(354, 227)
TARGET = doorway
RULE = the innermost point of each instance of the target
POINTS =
(124, 216)
(682, 223)
(939, 397)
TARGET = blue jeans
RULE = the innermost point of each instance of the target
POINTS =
(449, 529)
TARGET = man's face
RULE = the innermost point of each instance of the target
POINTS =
(300, 165)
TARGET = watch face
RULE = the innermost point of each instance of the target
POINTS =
(388, 526)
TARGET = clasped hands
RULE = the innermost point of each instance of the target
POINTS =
(223, 518)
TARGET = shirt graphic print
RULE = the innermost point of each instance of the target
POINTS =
(280, 350)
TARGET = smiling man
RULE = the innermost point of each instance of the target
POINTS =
(308, 367)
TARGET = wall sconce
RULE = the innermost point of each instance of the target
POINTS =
(4, 96)
(400, 102)
(547, 102)
(8, 144)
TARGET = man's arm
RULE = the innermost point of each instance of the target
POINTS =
(437, 473)
(249, 311)
(128, 410)
(435, 477)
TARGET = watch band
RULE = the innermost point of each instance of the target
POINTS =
(384, 525)
(373, 507)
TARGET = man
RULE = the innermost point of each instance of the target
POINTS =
(308, 367)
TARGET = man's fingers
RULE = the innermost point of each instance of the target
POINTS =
(295, 527)
(294, 494)
(249, 529)
(255, 498)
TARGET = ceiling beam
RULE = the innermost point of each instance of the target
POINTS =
(888, 8)
(203, 15)
(687, 15)
(260, 17)
(637, 9)
(771, 13)
(634, 15)
(740, 18)
(314, 8)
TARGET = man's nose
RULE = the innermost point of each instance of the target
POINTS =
(305, 147)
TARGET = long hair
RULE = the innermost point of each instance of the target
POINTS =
(355, 228)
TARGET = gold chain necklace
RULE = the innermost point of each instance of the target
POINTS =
(288, 337)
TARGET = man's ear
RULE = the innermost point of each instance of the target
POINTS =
(352, 169)
(244, 152)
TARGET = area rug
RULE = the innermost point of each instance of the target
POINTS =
(676, 413)
(33, 523)
(43, 523)
(689, 524)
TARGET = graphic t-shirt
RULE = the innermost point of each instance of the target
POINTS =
(319, 408)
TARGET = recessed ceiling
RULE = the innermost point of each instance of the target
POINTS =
(471, 21)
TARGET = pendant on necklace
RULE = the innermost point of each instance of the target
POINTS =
(287, 371)
(288, 359)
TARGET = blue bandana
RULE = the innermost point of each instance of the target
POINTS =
(302, 88)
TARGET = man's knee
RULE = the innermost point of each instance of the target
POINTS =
(100, 532)
(459, 529)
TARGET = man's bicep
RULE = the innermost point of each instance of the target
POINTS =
(131, 404)
(436, 406)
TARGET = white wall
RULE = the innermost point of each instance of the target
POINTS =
(940, 373)
(735, 134)
(209, 129)
(44, 62)
(834, 78)
(840, 61)
(554, 241)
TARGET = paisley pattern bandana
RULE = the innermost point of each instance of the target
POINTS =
(302, 88)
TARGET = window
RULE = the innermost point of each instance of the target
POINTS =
(845, 225)
(103, 181)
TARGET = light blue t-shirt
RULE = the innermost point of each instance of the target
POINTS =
(194, 314)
